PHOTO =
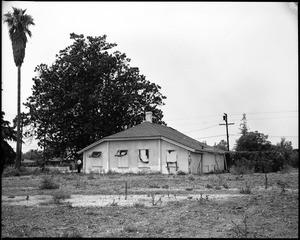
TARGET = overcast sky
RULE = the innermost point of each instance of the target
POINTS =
(209, 58)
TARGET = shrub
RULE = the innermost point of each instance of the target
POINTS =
(246, 190)
(286, 169)
(225, 185)
(111, 172)
(138, 205)
(295, 159)
(180, 172)
(48, 183)
(208, 185)
(154, 185)
(191, 177)
(165, 186)
(60, 194)
(217, 187)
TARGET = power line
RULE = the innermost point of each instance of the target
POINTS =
(200, 117)
(202, 128)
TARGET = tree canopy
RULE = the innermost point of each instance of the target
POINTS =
(89, 92)
(221, 145)
(253, 141)
(18, 27)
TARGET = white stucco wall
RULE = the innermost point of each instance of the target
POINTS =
(158, 154)
(182, 157)
(134, 163)
(212, 162)
(95, 164)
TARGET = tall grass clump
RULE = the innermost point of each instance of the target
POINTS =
(60, 194)
(180, 172)
(48, 183)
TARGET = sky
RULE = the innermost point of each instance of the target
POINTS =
(209, 58)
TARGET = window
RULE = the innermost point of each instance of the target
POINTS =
(122, 158)
(95, 154)
(144, 155)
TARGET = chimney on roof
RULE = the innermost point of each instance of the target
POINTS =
(149, 117)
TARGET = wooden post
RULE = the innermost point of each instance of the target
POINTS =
(125, 190)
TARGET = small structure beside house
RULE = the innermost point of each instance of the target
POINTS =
(151, 147)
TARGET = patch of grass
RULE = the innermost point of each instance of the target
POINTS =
(138, 205)
(48, 183)
(246, 190)
(60, 194)
(191, 177)
(111, 172)
(180, 172)
(153, 185)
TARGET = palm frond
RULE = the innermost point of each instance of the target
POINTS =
(18, 26)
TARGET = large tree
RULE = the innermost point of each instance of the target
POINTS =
(18, 28)
(89, 92)
(253, 141)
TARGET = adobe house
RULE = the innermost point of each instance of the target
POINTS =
(149, 146)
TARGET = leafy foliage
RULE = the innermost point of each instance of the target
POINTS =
(221, 145)
(89, 93)
(7, 134)
(48, 183)
(18, 27)
(253, 141)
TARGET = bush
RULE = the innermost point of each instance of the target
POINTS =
(191, 178)
(246, 190)
(60, 194)
(154, 185)
(111, 172)
(48, 183)
(286, 169)
(295, 159)
(208, 186)
(139, 205)
(244, 166)
(181, 172)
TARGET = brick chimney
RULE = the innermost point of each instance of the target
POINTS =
(149, 117)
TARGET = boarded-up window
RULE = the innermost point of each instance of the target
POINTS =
(144, 155)
(95, 154)
(172, 160)
(122, 158)
(171, 156)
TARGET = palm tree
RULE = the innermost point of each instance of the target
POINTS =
(18, 26)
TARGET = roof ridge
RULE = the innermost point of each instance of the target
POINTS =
(173, 129)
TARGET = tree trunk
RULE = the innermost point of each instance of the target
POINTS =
(18, 150)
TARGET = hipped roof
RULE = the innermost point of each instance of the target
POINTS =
(148, 130)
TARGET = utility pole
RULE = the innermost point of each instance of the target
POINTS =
(226, 123)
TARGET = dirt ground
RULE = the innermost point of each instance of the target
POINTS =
(156, 206)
